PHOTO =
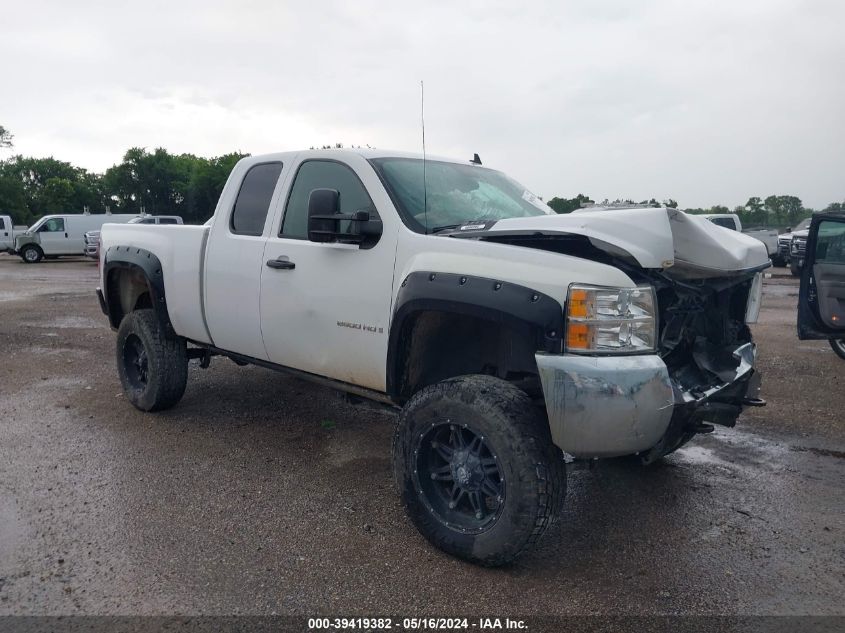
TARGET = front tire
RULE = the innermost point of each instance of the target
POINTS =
(153, 369)
(794, 269)
(31, 254)
(838, 345)
(476, 468)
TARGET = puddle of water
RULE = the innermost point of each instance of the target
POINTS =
(698, 455)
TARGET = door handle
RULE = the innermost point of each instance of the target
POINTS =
(281, 263)
(65, 234)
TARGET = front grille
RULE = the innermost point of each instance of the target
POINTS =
(799, 247)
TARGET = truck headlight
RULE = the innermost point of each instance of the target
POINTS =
(610, 320)
(755, 299)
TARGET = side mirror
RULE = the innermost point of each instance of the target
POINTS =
(325, 221)
(323, 205)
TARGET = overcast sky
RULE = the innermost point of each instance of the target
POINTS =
(703, 101)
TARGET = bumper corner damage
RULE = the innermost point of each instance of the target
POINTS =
(608, 406)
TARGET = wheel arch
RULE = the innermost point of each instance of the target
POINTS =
(448, 324)
(31, 245)
(133, 279)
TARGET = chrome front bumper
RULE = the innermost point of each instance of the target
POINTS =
(608, 406)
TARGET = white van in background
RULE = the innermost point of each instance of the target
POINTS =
(8, 233)
(62, 234)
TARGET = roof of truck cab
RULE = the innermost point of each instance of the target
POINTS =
(367, 153)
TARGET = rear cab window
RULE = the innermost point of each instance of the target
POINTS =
(253, 202)
(728, 223)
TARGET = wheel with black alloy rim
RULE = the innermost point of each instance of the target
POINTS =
(476, 467)
(461, 480)
(153, 368)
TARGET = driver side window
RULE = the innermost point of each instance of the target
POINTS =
(53, 225)
(323, 174)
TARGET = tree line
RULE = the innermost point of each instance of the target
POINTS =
(158, 182)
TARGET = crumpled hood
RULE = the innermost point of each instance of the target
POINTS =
(685, 245)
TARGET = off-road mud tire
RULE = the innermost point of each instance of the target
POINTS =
(532, 467)
(166, 362)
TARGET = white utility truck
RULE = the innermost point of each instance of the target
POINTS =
(769, 237)
(62, 234)
(511, 339)
(8, 233)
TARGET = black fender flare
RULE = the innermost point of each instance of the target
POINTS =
(137, 259)
(490, 299)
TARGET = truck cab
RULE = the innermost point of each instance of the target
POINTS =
(727, 220)
(8, 233)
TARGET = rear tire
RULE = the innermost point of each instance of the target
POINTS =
(31, 254)
(153, 369)
(838, 345)
(476, 468)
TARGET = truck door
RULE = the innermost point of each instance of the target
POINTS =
(821, 301)
(325, 307)
(6, 234)
(53, 237)
(234, 260)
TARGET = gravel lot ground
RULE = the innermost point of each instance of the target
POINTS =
(263, 494)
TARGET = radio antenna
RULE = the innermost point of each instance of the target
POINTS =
(425, 183)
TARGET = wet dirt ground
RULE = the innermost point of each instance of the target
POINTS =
(263, 494)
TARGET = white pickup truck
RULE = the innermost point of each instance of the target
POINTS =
(511, 339)
(769, 237)
(8, 233)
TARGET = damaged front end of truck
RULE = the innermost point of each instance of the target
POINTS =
(705, 342)
(698, 371)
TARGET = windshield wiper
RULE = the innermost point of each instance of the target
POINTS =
(447, 227)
